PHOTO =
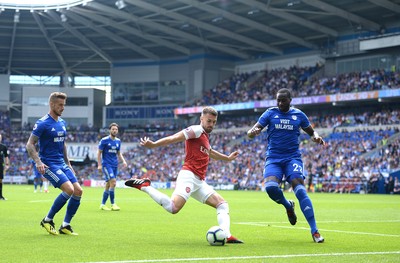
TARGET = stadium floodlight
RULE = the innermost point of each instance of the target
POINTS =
(40, 4)
(120, 4)
(63, 18)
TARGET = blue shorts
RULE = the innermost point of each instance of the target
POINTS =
(59, 174)
(109, 172)
(284, 169)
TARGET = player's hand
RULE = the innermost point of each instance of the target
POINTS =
(146, 142)
(254, 132)
(318, 140)
(41, 167)
(233, 155)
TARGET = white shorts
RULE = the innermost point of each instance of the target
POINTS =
(188, 184)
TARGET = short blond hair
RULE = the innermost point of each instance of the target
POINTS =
(209, 110)
(57, 95)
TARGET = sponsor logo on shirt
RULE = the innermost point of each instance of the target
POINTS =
(284, 125)
(59, 139)
(204, 150)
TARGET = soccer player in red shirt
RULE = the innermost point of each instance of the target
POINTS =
(191, 178)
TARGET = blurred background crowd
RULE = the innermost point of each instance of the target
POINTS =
(363, 145)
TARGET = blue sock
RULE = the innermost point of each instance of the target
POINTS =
(35, 185)
(112, 195)
(306, 206)
(58, 204)
(276, 194)
(72, 207)
(106, 193)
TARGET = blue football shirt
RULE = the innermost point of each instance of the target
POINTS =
(51, 134)
(110, 149)
(283, 131)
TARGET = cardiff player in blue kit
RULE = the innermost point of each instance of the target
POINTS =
(283, 157)
(52, 161)
(107, 159)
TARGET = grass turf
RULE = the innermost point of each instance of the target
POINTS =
(363, 228)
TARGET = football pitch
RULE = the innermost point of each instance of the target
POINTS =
(356, 228)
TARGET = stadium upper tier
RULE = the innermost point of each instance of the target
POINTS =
(303, 82)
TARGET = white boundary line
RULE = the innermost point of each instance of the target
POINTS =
(252, 257)
(324, 230)
(323, 222)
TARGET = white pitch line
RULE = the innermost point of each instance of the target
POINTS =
(323, 222)
(252, 257)
(325, 230)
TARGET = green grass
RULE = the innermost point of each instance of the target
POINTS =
(362, 228)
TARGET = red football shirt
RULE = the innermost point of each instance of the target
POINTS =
(197, 147)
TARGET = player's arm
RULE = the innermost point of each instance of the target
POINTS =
(220, 156)
(177, 137)
(254, 131)
(99, 165)
(121, 157)
(31, 149)
(314, 135)
(6, 163)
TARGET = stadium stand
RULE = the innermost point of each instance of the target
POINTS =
(362, 145)
(242, 88)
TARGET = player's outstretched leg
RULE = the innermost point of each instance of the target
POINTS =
(159, 197)
(138, 183)
(224, 221)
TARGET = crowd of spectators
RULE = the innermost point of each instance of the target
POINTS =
(340, 167)
(368, 118)
(264, 85)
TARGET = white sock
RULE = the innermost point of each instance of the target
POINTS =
(224, 220)
(65, 224)
(160, 198)
(45, 185)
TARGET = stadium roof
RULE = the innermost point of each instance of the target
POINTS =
(86, 39)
